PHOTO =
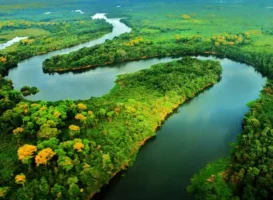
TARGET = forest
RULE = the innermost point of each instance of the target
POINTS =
(46, 36)
(131, 47)
(70, 149)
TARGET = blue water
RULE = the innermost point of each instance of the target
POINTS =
(198, 133)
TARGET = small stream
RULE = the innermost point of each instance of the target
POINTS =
(11, 42)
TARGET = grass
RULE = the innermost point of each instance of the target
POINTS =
(205, 20)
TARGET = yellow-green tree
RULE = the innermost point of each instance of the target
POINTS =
(44, 156)
(26, 153)
(185, 17)
(20, 179)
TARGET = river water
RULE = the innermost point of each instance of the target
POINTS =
(197, 133)
(67, 86)
(11, 42)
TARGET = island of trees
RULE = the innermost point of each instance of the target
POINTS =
(26, 90)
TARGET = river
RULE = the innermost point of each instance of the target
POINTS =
(68, 86)
(197, 133)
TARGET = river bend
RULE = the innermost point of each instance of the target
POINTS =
(199, 132)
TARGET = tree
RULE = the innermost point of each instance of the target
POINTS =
(44, 156)
(3, 191)
(80, 117)
(185, 17)
(74, 189)
(78, 146)
(47, 132)
(18, 130)
(26, 153)
(65, 162)
(81, 107)
(20, 179)
(74, 130)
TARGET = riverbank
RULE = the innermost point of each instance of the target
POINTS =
(88, 67)
(209, 122)
(118, 122)
(147, 104)
(164, 115)
(44, 41)
(237, 171)
(159, 30)
(11, 42)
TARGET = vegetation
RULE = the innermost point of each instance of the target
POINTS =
(69, 149)
(8, 97)
(120, 50)
(26, 90)
(248, 174)
(250, 169)
(210, 183)
(126, 47)
(46, 34)
(59, 35)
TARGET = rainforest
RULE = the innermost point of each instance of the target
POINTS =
(118, 99)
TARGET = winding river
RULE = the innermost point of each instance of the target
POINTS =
(197, 133)
(59, 87)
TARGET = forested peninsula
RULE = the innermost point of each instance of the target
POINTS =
(70, 149)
